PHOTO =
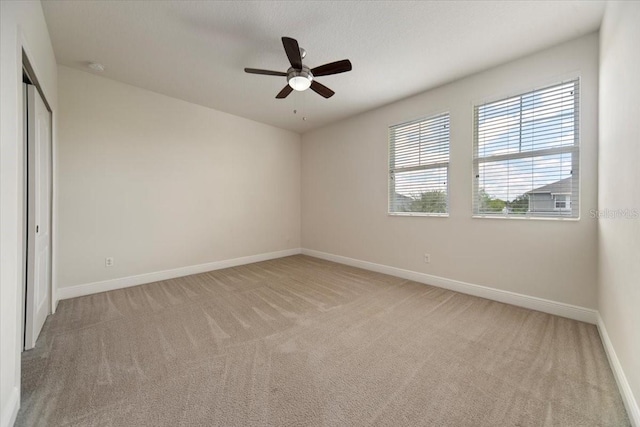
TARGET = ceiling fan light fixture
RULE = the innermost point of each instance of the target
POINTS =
(299, 79)
(300, 83)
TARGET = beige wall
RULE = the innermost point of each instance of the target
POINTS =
(159, 183)
(619, 185)
(22, 26)
(344, 190)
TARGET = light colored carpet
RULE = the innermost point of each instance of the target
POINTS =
(304, 342)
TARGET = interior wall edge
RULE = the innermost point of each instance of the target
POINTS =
(630, 403)
(574, 312)
(141, 279)
(10, 411)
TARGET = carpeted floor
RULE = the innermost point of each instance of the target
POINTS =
(304, 342)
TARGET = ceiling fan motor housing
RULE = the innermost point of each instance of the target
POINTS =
(299, 79)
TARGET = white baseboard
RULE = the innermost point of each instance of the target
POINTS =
(141, 279)
(547, 306)
(10, 409)
(630, 403)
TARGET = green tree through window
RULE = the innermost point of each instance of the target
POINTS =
(429, 202)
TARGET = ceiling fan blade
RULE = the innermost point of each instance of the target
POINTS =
(284, 92)
(321, 89)
(293, 52)
(265, 72)
(332, 68)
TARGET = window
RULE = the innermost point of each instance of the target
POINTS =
(526, 154)
(419, 166)
(562, 202)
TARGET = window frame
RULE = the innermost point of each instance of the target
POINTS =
(574, 149)
(434, 165)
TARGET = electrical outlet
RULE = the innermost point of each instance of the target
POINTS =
(427, 258)
(108, 262)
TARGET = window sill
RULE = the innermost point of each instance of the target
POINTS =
(420, 214)
(526, 218)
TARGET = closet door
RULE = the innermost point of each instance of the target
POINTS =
(38, 293)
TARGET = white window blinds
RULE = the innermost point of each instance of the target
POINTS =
(419, 166)
(526, 154)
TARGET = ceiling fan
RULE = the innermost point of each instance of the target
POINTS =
(299, 76)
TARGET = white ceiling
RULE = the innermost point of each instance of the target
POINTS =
(196, 50)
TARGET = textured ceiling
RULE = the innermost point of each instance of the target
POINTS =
(196, 50)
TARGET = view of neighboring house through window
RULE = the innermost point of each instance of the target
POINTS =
(419, 166)
(526, 154)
